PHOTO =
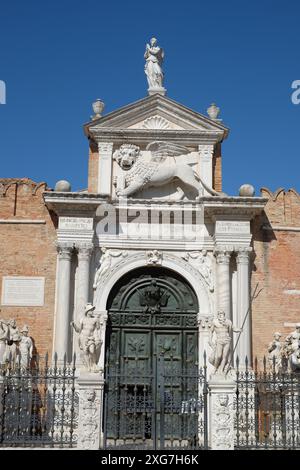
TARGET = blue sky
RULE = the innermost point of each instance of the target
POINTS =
(57, 57)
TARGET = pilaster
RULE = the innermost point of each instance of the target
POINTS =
(205, 157)
(105, 150)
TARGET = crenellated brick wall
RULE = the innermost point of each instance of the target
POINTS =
(27, 247)
(276, 267)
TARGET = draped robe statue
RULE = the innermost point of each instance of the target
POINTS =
(153, 68)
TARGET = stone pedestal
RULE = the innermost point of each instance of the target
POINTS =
(90, 388)
(221, 412)
(159, 90)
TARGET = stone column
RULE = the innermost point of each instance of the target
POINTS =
(1, 394)
(243, 297)
(204, 325)
(105, 167)
(82, 288)
(62, 321)
(90, 416)
(221, 413)
(223, 281)
(83, 278)
(103, 321)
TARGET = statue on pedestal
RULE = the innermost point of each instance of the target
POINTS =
(89, 339)
(12, 343)
(292, 349)
(25, 347)
(222, 328)
(3, 339)
(154, 56)
(275, 352)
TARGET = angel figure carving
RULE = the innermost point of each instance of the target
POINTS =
(105, 263)
(153, 68)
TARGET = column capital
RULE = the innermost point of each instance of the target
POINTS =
(242, 255)
(64, 249)
(222, 255)
(105, 147)
(206, 151)
(84, 250)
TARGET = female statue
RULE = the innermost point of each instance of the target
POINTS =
(153, 68)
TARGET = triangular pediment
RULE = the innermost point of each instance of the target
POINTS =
(155, 112)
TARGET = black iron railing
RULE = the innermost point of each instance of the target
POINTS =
(39, 404)
(267, 407)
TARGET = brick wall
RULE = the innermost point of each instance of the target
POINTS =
(93, 168)
(28, 250)
(276, 267)
(217, 168)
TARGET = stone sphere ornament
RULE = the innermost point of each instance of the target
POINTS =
(62, 186)
(246, 190)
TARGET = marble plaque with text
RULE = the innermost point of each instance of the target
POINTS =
(232, 226)
(75, 223)
(23, 291)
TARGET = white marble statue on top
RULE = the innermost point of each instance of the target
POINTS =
(25, 347)
(12, 343)
(291, 350)
(154, 56)
(89, 338)
(3, 339)
(275, 352)
(220, 342)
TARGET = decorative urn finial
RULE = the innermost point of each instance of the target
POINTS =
(213, 111)
(98, 107)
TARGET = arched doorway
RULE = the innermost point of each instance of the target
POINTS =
(151, 360)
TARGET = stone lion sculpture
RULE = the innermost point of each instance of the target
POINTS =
(161, 169)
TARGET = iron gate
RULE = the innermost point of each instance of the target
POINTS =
(38, 404)
(267, 408)
(163, 408)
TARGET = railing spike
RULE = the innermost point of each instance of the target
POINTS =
(55, 357)
(255, 364)
(65, 360)
(265, 364)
